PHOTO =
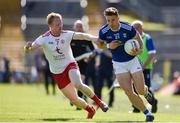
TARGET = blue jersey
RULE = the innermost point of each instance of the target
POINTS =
(123, 34)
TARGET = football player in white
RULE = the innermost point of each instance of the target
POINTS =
(56, 46)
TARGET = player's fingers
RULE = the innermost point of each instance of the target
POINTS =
(25, 49)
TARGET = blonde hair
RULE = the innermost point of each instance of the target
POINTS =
(137, 23)
(51, 16)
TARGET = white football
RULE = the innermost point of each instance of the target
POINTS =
(130, 44)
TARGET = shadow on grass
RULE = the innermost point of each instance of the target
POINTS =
(120, 121)
(72, 120)
(57, 119)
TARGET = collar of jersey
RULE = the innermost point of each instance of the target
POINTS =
(54, 35)
(117, 29)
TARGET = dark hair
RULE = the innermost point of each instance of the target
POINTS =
(51, 17)
(111, 11)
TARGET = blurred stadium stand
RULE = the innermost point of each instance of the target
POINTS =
(171, 16)
(11, 38)
(164, 3)
(170, 9)
(35, 12)
(141, 8)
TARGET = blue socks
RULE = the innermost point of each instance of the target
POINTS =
(147, 112)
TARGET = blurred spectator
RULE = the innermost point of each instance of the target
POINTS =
(5, 69)
(91, 72)
(173, 87)
(19, 77)
(0, 23)
(176, 82)
(80, 48)
(41, 72)
(48, 77)
(39, 65)
(157, 82)
(34, 74)
(105, 74)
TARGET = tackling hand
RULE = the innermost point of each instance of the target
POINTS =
(27, 47)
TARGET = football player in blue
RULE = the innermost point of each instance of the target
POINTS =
(127, 68)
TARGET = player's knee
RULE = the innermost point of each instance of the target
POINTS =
(141, 91)
(74, 100)
(128, 91)
(145, 90)
(79, 86)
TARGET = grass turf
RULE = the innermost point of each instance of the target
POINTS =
(29, 103)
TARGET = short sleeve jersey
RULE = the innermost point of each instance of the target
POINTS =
(149, 44)
(57, 50)
(123, 34)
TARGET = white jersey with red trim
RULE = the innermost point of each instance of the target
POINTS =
(57, 50)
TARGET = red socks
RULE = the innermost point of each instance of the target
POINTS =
(97, 100)
(91, 111)
(88, 109)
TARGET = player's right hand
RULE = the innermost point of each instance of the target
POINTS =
(136, 51)
(114, 44)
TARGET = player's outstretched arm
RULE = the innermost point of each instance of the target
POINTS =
(101, 44)
(88, 37)
(84, 36)
(30, 46)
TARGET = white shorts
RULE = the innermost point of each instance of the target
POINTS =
(131, 66)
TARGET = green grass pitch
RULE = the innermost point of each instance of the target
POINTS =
(29, 103)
